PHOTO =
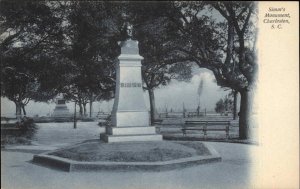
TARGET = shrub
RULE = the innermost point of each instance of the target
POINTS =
(27, 129)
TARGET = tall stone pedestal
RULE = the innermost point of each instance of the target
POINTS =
(130, 117)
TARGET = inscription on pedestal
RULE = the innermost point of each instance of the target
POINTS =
(130, 84)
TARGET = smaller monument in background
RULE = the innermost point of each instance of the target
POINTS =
(61, 110)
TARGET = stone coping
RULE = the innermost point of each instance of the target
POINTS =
(209, 139)
(69, 165)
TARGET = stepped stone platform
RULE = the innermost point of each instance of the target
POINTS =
(126, 134)
(148, 156)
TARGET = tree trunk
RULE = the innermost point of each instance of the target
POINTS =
(91, 107)
(234, 104)
(245, 113)
(152, 106)
(80, 108)
(18, 110)
(84, 109)
(23, 108)
(75, 119)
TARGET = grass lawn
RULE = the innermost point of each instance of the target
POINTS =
(133, 151)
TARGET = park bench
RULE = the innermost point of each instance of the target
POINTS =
(192, 114)
(195, 114)
(7, 119)
(162, 115)
(158, 121)
(171, 115)
(206, 126)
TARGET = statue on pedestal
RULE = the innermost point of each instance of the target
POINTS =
(129, 29)
(130, 116)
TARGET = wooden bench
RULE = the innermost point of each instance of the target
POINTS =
(205, 126)
(158, 121)
(163, 115)
(11, 131)
(7, 119)
(192, 114)
(195, 114)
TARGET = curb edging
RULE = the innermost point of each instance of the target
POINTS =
(68, 165)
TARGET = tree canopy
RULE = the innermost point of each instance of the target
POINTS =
(71, 47)
(30, 37)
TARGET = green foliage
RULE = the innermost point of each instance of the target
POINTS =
(224, 105)
(220, 106)
(28, 127)
(93, 33)
(155, 31)
(58, 47)
(26, 130)
(71, 47)
(30, 36)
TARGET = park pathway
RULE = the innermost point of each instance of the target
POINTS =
(232, 172)
(18, 171)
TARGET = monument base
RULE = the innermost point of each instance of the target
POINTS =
(126, 134)
(132, 118)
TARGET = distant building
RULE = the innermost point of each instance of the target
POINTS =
(61, 109)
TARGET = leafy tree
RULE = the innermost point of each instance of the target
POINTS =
(234, 94)
(93, 31)
(224, 105)
(241, 56)
(220, 108)
(224, 45)
(30, 32)
(228, 103)
(160, 64)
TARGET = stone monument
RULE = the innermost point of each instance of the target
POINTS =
(61, 110)
(130, 117)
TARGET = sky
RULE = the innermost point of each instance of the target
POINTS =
(170, 96)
